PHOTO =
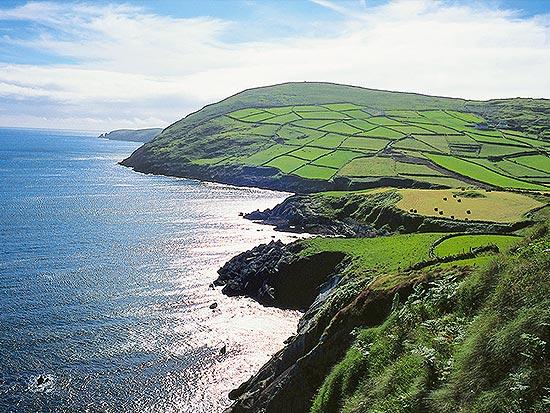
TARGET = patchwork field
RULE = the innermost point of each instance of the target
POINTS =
(441, 147)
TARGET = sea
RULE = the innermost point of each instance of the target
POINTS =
(105, 280)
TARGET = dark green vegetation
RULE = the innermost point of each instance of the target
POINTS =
(133, 135)
(322, 136)
(475, 342)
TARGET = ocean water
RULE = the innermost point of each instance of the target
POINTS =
(104, 282)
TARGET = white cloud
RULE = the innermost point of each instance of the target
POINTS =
(158, 68)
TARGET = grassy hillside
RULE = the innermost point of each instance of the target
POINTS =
(469, 342)
(342, 134)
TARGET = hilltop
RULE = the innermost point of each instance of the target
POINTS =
(132, 135)
(307, 137)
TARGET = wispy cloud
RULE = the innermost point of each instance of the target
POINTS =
(135, 67)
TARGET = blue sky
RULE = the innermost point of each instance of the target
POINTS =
(105, 64)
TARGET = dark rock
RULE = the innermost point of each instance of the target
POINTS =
(275, 275)
(301, 214)
(213, 306)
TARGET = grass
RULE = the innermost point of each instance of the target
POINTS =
(282, 119)
(361, 124)
(410, 130)
(286, 164)
(382, 132)
(330, 141)
(323, 115)
(509, 167)
(369, 144)
(491, 149)
(315, 172)
(384, 121)
(342, 106)
(258, 117)
(342, 128)
(266, 155)
(481, 174)
(369, 166)
(313, 123)
(309, 153)
(414, 145)
(539, 162)
(491, 206)
(377, 255)
(336, 159)
(465, 243)
(382, 166)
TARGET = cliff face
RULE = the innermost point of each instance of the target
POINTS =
(274, 274)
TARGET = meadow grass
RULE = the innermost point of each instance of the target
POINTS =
(540, 162)
(461, 244)
(320, 128)
(336, 159)
(342, 106)
(495, 206)
(310, 153)
(361, 124)
(286, 164)
(327, 114)
(313, 123)
(258, 117)
(282, 119)
(315, 172)
(263, 156)
(363, 143)
(330, 141)
(377, 255)
(481, 174)
(370, 166)
(414, 144)
(341, 127)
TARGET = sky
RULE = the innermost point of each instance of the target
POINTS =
(102, 65)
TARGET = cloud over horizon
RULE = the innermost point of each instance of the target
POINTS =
(119, 65)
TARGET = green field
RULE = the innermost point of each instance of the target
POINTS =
(378, 255)
(496, 206)
(481, 174)
(461, 244)
(242, 129)
(312, 171)
(286, 164)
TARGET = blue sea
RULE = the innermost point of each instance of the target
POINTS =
(104, 282)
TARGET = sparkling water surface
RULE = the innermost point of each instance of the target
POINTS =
(104, 276)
